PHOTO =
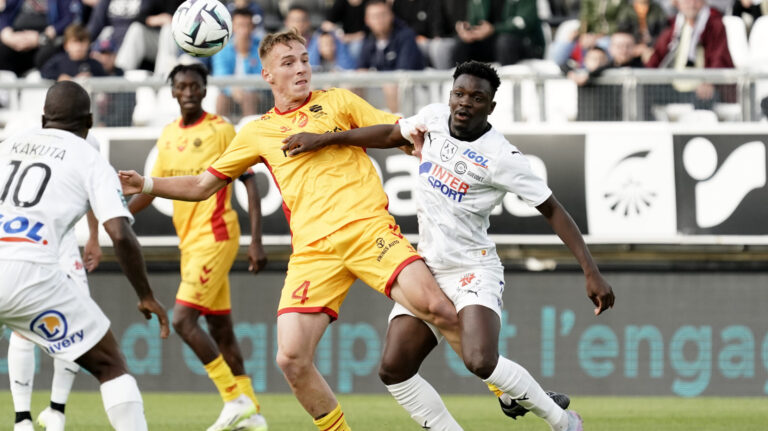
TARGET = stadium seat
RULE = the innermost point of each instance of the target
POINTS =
(736, 33)
(758, 54)
(698, 116)
(9, 99)
(547, 30)
(565, 30)
(209, 102)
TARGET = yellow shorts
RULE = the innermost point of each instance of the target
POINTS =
(320, 274)
(205, 277)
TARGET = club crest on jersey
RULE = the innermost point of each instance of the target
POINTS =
(50, 324)
(444, 181)
(475, 158)
(448, 150)
(21, 229)
(300, 119)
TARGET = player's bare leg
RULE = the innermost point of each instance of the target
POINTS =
(417, 290)
(297, 338)
(408, 342)
(480, 339)
(237, 405)
(119, 392)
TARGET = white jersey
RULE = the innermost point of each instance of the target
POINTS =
(48, 179)
(459, 185)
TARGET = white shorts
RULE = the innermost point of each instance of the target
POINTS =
(71, 262)
(465, 287)
(44, 305)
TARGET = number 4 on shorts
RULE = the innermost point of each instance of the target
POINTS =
(301, 292)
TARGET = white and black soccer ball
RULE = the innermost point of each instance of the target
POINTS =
(201, 27)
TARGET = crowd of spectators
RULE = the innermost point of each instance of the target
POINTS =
(383, 35)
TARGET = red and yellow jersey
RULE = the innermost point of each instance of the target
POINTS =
(322, 190)
(189, 150)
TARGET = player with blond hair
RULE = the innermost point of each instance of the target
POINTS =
(337, 211)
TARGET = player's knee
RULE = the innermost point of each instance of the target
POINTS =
(391, 372)
(182, 325)
(480, 365)
(443, 315)
(293, 364)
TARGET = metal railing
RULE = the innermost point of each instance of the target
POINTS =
(527, 94)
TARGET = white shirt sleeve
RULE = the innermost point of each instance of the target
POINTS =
(408, 125)
(105, 193)
(514, 174)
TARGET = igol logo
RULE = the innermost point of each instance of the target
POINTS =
(50, 325)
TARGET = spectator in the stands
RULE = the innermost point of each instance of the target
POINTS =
(30, 31)
(148, 42)
(111, 18)
(327, 53)
(256, 11)
(502, 31)
(112, 109)
(390, 45)
(646, 19)
(240, 57)
(604, 102)
(298, 18)
(694, 39)
(74, 62)
(348, 18)
(433, 24)
(598, 20)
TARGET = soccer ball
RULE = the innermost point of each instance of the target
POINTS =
(201, 27)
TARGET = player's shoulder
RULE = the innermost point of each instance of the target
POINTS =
(498, 144)
(218, 122)
(435, 110)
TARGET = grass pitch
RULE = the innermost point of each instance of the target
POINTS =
(185, 411)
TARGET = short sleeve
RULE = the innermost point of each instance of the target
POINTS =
(360, 113)
(105, 194)
(241, 154)
(514, 174)
(157, 168)
(407, 125)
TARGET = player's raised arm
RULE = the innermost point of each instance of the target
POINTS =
(378, 136)
(184, 188)
(598, 289)
(128, 253)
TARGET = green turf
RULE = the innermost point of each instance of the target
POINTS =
(175, 411)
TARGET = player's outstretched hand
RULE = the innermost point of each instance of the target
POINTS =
(417, 135)
(301, 143)
(91, 254)
(131, 181)
(600, 292)
(257, 258)
(150, 306)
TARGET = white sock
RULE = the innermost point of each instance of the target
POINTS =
(64, 373)
(423, 403)
(21, 371)
(514, 380)
(123, 404)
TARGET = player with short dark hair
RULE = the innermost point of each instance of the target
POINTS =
(336, 208)
(54, 177)
(209, 239)
(466, 169)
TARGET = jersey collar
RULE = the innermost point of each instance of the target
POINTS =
(199, 120)
(277, 111)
